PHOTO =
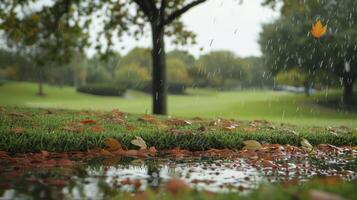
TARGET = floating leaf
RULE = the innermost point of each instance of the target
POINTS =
(318, 30)
(138, 141)
(252, 145)
(112, 144)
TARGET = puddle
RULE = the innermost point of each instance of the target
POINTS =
(101, 178)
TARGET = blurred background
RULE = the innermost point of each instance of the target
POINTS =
(249, 60)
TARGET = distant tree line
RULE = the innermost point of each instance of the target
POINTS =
(217, 69)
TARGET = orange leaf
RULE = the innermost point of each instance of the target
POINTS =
(318, 30)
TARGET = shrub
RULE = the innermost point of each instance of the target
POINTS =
(103, 89)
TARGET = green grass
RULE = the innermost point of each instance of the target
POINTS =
(340, 190)
(45, 131)
(246, 105)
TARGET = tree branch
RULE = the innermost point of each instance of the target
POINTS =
(148, 7)
(176, 14)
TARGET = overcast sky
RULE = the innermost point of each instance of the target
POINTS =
(220, 25)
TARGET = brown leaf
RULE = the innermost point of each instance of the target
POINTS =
(117, 113)
(147, 118)
(97, 129)
(18, 114)
(88, 121)
(17, 130)
(112, 144)
(130, 127)
(178, 122)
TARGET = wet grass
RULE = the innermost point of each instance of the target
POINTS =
(247, 105)
(45, 130)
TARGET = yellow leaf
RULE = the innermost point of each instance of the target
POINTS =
(112, 144)
(318, 30)
(306, 145)
(138, 141)
(252, 145)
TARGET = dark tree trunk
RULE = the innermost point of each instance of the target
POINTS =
(159, 89)
(40, 82)
(307, 88)
(348, 90)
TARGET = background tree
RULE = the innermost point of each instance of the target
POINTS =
(45, 35)
(161, 16)
(220, 69)
(287, 43)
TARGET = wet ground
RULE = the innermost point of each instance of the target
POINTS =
(97, 178)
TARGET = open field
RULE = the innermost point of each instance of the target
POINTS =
(247, 105)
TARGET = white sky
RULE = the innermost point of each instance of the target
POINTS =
(226, 24)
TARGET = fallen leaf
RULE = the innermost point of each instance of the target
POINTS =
(88, 121)
(130, 127)
(18, 114)
(252, 145)
(112, 144)
(17, 130)
(318, 30)
(178, 122)
(321, 195)
(97, 129)
(147, 118)
(138, 141)
(306, 145)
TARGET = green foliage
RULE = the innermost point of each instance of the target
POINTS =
(292, 77)
(219, 69)
(287, 43)
(102, 89)
(133, 76)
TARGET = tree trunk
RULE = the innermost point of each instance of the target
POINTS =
(307, 88)
(348, 90)
(40, 82)
(159, 89)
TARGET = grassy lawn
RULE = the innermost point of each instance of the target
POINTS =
(246, 105)
(30, 129)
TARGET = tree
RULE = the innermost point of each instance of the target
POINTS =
(161, 16)
(286, 43)
(220, 69)
(46, 36)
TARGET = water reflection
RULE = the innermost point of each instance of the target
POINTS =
(103, 178)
